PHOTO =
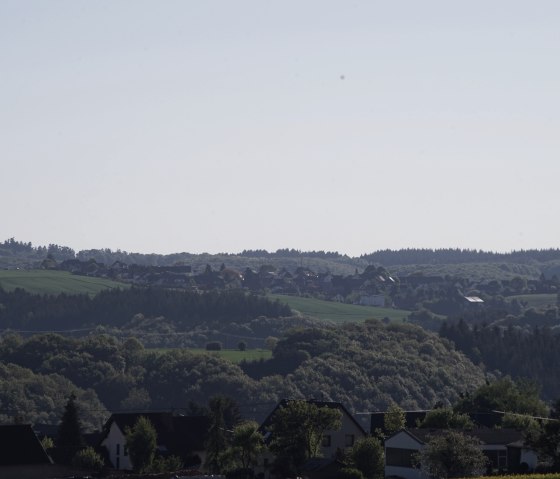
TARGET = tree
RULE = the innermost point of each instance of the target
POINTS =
(297, 430)
(69, 439)
(452, 454)
(394, 419)
(224, 415)
(520, 397)
(547, 440)
(246, 443)
(141, 441)
(446, 418)
(368, 457)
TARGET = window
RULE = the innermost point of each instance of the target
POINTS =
(118, 449)
(326, 440)
(118, 464)
(395, 456)
(349, 440)
(498, 458)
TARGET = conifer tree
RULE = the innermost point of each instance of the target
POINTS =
(69, 439)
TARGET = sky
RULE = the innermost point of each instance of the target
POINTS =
(219, 126)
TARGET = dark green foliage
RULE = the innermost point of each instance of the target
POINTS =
(246, 444)
(224, 415)
(368, 457)
(116, 307)
(520, 354)
(504, 395)
(350, 473)
(141, 441)
(446, 418)
(39, 397)
(297, 430)
(394, 419)
(452, 454)
(164, 464)
(88, 459)
(69, 438)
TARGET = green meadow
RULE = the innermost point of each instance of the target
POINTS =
(338, 312)
(54, 282)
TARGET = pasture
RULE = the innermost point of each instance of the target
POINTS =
(54, 282)
(338, 312)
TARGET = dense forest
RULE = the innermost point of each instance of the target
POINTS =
(364, 366)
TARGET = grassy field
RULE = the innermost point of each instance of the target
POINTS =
(54, 282)
(535, 300)
(233, 355)
(338, 312)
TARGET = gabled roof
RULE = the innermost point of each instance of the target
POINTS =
(177, 434)
(486, 437)
(330, 404)
(20, 446)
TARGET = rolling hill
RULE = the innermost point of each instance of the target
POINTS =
(54, 282)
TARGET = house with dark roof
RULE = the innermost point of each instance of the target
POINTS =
(504, 448)
(21, 453)
(181, 436)
(334, 441)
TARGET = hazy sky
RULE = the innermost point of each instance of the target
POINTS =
(216, 126)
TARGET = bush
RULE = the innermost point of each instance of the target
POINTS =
(242, 346)
(88, 459)
(164, 464)
(350, 473)
(214, 346)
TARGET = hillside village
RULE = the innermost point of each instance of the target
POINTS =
(474, 361)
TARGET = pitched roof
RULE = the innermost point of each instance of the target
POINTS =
(19, 446)
(178, 435)
(330, 404)
(485, 436)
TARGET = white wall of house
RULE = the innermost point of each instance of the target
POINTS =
(115, 443)
(344, 438)
(529, 457)
(404, 442)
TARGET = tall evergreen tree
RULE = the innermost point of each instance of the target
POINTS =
(69, 438)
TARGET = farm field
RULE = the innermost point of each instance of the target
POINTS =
(54, 282)
(338, 312)
(535, 300)
(233, 355)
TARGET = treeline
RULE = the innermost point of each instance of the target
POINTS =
(512, 351)
(290, 253)
(389, 257)
(22, 310)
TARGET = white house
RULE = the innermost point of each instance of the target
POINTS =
(334, 441)
(503, 447)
